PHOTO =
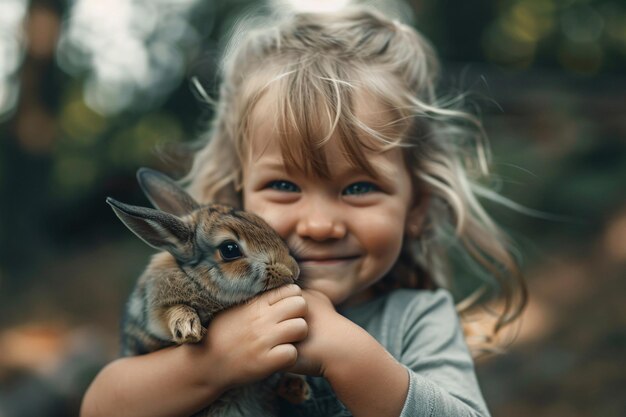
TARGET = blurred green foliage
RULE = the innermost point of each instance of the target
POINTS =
(586, 37)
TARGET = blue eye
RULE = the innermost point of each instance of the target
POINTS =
(359, 188)
(285, 186)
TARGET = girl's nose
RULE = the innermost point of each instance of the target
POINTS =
(320, 224)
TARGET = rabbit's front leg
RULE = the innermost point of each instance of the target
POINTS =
(184, 324)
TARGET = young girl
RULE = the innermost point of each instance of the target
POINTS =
(328, 127)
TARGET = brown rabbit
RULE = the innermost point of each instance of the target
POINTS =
(213, 257)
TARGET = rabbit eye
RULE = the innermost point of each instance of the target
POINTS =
(230, 251)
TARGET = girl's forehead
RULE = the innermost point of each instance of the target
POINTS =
(265, 150)
(266, 127)
(301, 112)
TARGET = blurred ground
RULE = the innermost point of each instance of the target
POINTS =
(568, 359)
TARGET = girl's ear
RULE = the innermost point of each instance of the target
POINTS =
(417, 215)
(158, 229)
(164, 193)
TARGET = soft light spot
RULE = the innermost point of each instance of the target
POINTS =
(614, 240)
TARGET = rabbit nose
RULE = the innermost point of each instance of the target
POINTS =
(278, 274)
(279, 271)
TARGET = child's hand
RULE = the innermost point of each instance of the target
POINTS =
(327, 336)
(363, 375)
(251, 341)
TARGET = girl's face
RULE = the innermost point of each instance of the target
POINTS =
(346, 231)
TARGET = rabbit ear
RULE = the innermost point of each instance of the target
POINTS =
(164, 193)
(158, 229)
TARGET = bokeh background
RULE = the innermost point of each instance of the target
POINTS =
(90, 90)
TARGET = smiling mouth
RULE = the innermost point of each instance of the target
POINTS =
(326, 261)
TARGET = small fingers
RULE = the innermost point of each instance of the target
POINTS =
(282, 356)
(280, 293)
(288, 308)
(290, 331)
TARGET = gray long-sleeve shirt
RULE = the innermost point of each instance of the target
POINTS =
(422, 331)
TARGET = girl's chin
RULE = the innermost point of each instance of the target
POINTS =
(339, 295)
(331, 289)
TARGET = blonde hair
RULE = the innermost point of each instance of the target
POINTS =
(314, 66)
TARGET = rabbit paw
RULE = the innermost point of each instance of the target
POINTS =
(294, 388)
(185, 325)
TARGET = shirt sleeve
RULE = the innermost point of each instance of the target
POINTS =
(442, 381)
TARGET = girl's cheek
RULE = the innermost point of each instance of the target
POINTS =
(277, 219)
(253, 205)
(278, 222)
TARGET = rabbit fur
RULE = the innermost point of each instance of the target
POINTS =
(212, 257)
